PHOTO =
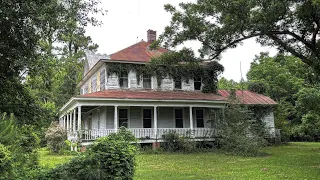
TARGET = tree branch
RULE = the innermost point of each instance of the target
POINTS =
(289, 49)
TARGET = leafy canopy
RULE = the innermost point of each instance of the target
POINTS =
(290, 25)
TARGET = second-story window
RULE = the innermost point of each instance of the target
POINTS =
(102, 80)
(123, 80)
(146, 80)
(197, 83)
(177, 83)
(94, 84)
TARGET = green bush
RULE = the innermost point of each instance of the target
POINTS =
(6, 165)
(173, 142)
(238, 131)
(109, 157)
(56, 136)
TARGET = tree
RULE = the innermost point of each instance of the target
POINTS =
(231, 84)
(291, 26)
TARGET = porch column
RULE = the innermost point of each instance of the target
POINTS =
(79, 118)
(67, 121)
(191, 117)
(64, 122)
(74, 120)
(116, 118)
(155, 120)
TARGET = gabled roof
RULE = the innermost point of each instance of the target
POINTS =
(138, 52)
(249, 98)
(155, 95)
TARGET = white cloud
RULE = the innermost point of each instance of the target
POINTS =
(127, 22)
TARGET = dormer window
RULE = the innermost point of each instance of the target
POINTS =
(197, 84)
(146, 80)
(177, 83)
(123, 80)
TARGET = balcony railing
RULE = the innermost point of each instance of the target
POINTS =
(145, 133)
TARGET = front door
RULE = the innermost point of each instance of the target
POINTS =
(147, 118)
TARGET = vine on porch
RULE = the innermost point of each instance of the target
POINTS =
(182, 64)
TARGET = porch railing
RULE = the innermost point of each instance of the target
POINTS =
(149, 133)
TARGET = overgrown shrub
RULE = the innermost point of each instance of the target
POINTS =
(173, 142)
(238, 131)
(110, 157)
(56, 136)
(21, 144)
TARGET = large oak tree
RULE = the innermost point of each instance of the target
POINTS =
(290, 25)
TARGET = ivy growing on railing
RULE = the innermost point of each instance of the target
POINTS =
(182, 64)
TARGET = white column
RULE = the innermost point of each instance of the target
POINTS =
(74, 120)
(116, 118)
(67, 121)
(64, 122)
(155, 120)
(79, 118)
(191, 117)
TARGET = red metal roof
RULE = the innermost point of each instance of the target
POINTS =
(248, 97)
(156, 95)
(138, 52)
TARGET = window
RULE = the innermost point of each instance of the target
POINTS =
(94, 84)
(123, 118)
(85, 89)
(197, 83)
(102, 80)
(177, 83)
(147, 118)
(146, 81)
(179, 118)
(199, 118)
(123, 80)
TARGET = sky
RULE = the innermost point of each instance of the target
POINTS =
(127, 22)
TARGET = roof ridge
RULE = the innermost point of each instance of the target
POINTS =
(129, 47)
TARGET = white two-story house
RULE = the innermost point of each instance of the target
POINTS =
(109, 100)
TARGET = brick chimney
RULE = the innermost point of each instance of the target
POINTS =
(152, 35)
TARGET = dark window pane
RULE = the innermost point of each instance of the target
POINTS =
(178, 113)
(197, 84)
(123, 113)
(179, 123)
(147, 113)
(146, 123)
(123, 80)
(177, 83)
(199, 113)
(199, 118)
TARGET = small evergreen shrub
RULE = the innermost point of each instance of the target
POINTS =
(110, 157)
(56, 136)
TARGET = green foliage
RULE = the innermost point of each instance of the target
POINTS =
(291, 26)
(226, 84)
(257, 87)
(56, 137)
(6, 164)
(173, 142)
(110, 157)
(238, 130)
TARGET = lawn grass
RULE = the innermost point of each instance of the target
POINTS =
(51, 160)
(293, 161)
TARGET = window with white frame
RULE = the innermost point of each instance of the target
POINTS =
(102, 79)
(146, 81)
(199, 118)
(177, 83)
(123, 79)
(94, 84)
(123, 118)
(197, 83)
(147, 118)
(178, 113)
